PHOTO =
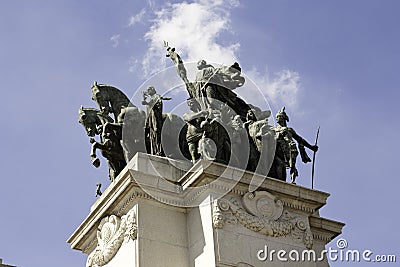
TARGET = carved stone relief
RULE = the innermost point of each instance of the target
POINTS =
(111, 233)
(263, 213)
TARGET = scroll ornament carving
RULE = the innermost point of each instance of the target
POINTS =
(264, 214)
(111, 233)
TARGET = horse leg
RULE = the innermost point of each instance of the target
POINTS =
(95, 160)
(111, 171)
(115, 167)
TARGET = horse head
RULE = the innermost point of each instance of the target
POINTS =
(102, 98)
(92, 120)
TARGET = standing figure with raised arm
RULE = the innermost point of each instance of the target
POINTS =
(286, 147)
(154, 119)
(180, 67)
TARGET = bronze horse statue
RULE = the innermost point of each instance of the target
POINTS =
(112, 100)
(97, 123)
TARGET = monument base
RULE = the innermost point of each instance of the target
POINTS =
(162, 212)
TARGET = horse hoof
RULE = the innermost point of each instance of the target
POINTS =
(96, 162)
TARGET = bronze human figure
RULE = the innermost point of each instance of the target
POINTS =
(195, 131)
(286, 150)
(180, 67)
(154, 119)
(220, 126)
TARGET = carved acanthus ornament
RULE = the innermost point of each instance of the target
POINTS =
(111, 233)
(263, 213)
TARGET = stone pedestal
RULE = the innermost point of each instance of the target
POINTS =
(165, 213)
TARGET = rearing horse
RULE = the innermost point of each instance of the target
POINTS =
(97, 123)
(112, 100)
(109, 99)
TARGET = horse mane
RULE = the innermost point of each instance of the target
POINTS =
(114, 91)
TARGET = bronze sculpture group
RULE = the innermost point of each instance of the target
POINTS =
(220, 126)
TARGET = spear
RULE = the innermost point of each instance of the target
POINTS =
(313, 161)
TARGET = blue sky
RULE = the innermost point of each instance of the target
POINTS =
(334, 64)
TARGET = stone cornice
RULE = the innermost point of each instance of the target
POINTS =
(325, 229)
(98, 211)
(187, 186)
(293, 196)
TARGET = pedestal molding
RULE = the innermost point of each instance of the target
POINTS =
(89, 247)
(206, 212)
(321, 237)
(135, 195)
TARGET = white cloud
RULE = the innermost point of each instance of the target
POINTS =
(281, 88)
(151, 4)
(115, 40)
(136, 18)
(133, 65)
(195, 29)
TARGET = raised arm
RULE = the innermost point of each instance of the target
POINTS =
(301, 141)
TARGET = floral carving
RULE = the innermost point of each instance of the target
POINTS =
(218, 217)
(262, 219)
(111, 233)
(263, 204)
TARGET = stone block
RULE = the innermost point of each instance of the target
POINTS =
(157, 218)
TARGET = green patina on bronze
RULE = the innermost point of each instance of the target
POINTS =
(220, 126)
